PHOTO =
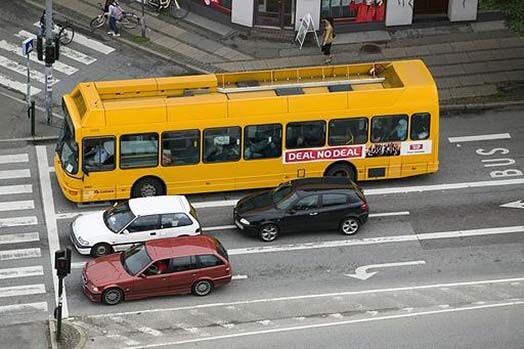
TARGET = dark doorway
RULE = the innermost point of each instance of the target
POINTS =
(275, 13)
(431, 6)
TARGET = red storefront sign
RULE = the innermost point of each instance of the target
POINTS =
(324, 154)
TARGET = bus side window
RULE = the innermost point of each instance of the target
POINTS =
(262, 141)
(99, 153)
(221, 144)
(139, 150)
(420, 126)
(180, 148)
(348, 131)
(389, 128)
(307, 134)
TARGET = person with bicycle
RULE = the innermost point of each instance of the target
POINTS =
(115, 14)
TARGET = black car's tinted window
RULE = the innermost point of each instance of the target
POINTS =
(307, 203)
(208, 260)
(180, 264)
(334, 200)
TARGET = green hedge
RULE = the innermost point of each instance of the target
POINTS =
(513, 9)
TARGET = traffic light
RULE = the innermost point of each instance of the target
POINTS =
(63, 262)
(40, 48)
(57, 48)
(50, 54)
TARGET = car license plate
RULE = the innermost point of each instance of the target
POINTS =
(240, 226)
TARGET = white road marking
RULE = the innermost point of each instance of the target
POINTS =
(124, 339)
(14, 291)
(20, 254)
(89, 43)
(16, 189)
(28, 308)
(489, 137)
(10, 174)
(311, 296)
(361, 273)
(22, 70)
(376, 240)
(64, 50)
(17, 205)
(338, 323)
(17, 221)
(17, 86)
(20, 272)
(150, 331)
(16, 49)
(18, 238)
(393, 190)
(239, 277)
(14, 158)
(50, 221)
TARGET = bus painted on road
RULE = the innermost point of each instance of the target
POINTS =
(244, 130)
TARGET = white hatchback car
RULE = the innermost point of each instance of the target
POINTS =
(134, 221)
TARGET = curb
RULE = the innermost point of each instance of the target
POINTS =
(451, 108)
(52, 332)
(81, 25)
(52, 335)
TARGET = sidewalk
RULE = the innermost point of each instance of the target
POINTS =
(468, 60)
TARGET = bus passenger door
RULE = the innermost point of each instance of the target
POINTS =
(98, 166)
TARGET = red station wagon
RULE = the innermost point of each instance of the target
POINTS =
(192, 264)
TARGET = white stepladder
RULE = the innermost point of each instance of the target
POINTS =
(306, 26)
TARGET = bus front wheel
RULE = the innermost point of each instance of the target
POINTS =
(147, 187)
(341, 170)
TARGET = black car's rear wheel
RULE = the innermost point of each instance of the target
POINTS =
(349, 225)
(268, 232)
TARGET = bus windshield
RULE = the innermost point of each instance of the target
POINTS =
(67, 148)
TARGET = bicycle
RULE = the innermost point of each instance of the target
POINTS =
(65, 32)
(129, 19)
(174, 7)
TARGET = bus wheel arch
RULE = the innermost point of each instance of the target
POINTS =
(342, 169)
(148, 186)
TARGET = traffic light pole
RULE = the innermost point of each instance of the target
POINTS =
(48, 64)
(63, 268)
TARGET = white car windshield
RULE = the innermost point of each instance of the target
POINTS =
(117, 217)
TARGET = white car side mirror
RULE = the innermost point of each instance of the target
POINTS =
(125, 231)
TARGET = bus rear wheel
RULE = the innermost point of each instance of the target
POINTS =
(147, 187)
(341, 170)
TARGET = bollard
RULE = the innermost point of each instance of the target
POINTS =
(31, 116)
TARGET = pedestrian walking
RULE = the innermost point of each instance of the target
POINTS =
(327, 38)
(115, 14)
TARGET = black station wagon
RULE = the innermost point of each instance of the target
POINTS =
(308, 204)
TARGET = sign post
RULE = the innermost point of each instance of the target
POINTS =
(27, 48)
(306, 26)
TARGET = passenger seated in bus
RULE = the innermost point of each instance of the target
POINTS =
(399, 133)
(256, 149)
(377, 132)
(99, 154)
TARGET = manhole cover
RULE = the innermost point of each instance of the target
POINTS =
(370, 48)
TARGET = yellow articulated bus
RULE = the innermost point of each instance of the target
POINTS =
(242, 130)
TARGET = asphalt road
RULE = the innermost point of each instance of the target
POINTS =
(460, 272)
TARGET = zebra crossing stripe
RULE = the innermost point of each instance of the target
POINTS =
(9, 159)
(84, 40)
(17, 205)
(17, 86)
(10, 174)
(17, 221)
(20, 254)
(14, 291)
(22, 69)
(28, 308)
(12, 273)
(58, 66)
(16, 189)
(64, 50)
(18, 238)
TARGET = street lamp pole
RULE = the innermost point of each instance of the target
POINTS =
(143, 20)
(48, 61)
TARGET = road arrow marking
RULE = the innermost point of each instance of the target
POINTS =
(514, 204)
(362, 274)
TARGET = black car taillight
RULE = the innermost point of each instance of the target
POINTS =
(364, 206)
